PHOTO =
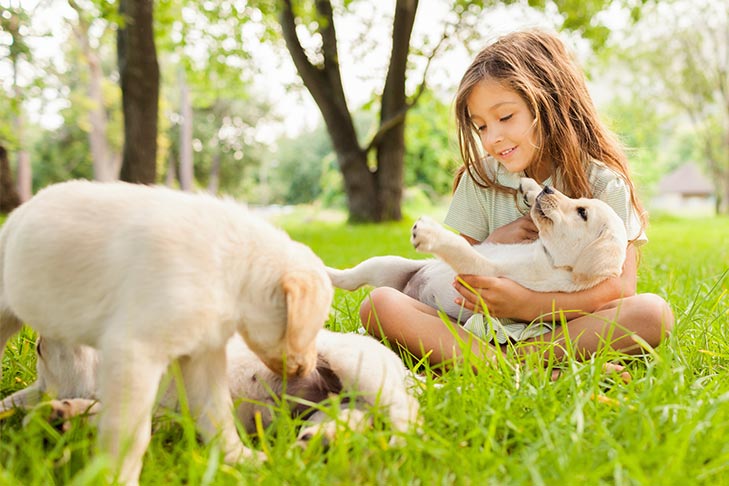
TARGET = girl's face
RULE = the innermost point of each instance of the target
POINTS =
(505, 123)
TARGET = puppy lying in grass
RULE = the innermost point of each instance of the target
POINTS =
(148, 275)
(360, 369)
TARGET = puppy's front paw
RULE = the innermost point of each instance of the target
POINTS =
(241, 452)
(530, 189)
(426, 235)
(325, 429)
(62, 411)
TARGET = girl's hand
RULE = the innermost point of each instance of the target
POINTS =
(520, 230)
(503, 297)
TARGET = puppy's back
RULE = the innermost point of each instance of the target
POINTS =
(84, 249)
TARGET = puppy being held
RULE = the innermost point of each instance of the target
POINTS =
(581, 242)
(359, 368)
(148, 275)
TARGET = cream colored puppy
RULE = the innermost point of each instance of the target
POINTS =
(147, 275)
(581, 243)
(352, 365)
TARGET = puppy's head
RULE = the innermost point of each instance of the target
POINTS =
(583, 234)
(308, 294)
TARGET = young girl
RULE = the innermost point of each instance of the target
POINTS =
(523, 109)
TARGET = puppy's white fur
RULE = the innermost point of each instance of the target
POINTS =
(360, 366)
(147, 275)
(581, 243)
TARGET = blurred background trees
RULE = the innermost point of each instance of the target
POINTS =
(344, 103)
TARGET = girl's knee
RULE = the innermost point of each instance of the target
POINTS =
(377, 303)
(660, 312)
(655, 317)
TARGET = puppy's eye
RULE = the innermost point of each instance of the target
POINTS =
(582, 212)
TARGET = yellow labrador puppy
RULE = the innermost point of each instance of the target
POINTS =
(581, 243)
(147, 275)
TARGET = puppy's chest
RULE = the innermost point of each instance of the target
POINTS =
(510, 253)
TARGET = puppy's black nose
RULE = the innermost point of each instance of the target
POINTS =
(548, 190)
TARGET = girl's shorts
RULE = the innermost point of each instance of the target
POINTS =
(501, 331)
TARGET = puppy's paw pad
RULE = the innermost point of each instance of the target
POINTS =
(61, 413)
(315, 435)
(61, 410)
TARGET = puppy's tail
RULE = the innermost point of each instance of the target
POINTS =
(381, 271)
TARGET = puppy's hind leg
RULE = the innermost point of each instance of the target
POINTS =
(381, 271)
(23, 399)
(208, 394)
(129, 376)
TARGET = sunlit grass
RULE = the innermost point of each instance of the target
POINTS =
(499, 425)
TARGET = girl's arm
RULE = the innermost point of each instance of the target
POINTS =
(506, 298)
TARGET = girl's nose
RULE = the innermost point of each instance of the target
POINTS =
(493, 136)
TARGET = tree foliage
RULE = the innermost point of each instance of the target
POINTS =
(401, 136)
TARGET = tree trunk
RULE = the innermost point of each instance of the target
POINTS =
(391, 147)
(372, 195)
(187, 176)
(325, 85)
(102, 157)
(24, 171)
(171, 176)
(359, 185)
(139, 77)
(214, 177)
(9, 198)
(24, 177)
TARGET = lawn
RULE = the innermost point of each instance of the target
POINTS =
(503, 425)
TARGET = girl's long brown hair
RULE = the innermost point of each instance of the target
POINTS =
(539, 68)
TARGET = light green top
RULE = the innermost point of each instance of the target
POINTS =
(476, 211)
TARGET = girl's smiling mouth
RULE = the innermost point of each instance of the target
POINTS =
(507, 152)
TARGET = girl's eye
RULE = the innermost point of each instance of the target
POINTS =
(481, 128)
(505, 118)
(582, 212)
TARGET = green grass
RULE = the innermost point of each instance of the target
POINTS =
(504, 425)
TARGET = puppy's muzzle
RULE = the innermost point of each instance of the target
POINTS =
(545, 202)
(292, 365)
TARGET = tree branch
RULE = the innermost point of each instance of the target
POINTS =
(307, 71)
(399, 117)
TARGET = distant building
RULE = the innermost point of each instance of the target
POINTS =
(685, 191)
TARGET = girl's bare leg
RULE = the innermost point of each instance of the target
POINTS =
(646, 316)
(388, 313)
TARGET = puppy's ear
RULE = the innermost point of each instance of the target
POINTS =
(308, 298)
(601, 259)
